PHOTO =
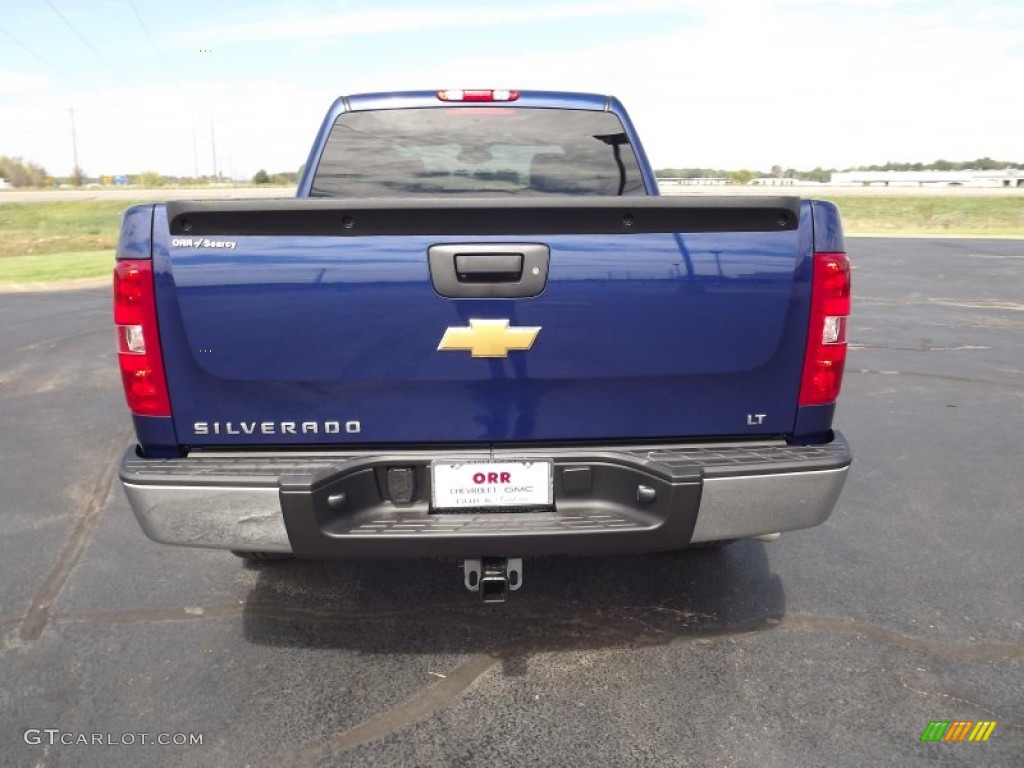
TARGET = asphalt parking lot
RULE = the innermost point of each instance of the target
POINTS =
(834, 646)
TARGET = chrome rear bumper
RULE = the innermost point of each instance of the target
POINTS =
(286, 502)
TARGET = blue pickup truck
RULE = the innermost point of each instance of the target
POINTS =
(478, 332)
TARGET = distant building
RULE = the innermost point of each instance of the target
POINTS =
(775, 181)
(1009, 178)
(700, 182)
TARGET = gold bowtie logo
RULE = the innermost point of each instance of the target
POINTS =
(488, 338)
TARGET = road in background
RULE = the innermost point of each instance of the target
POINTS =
(825, 191)
(834, 646)
(665, 188)
(131, 194)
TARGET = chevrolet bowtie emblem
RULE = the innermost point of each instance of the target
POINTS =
(488, 338)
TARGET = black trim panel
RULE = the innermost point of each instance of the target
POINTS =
(482, 216)
(348, 513)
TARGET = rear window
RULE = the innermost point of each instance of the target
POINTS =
(485, 151)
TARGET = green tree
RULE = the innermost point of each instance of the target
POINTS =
(261, 177)
(820, 174)
(150, 179)
(21, 174)
(985, 164)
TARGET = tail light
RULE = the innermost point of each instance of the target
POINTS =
(458, 95)
(825, 357)
(138, 346)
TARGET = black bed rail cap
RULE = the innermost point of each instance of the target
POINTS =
(482, 216)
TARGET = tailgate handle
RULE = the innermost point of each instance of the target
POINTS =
(489, 270)
(488, 267)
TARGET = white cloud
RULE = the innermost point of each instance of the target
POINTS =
(168, 129)
(15, 82)
(731, 85)
(797, 90)
(350, 22)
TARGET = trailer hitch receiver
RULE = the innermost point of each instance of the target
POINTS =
(493, 577)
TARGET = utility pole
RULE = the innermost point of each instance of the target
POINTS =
(213, 149)
(74, 148)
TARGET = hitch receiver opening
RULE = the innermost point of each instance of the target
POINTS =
(493, 577)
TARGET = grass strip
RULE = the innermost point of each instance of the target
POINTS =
(49, 267)
(934, 215)
(60, 227)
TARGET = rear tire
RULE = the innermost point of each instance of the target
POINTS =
(262, 556)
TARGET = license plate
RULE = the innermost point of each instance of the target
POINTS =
(472, 484)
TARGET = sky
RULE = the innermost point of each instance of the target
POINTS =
(183, 87)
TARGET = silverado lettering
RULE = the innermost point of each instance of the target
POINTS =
(273, 428)
(433, 236)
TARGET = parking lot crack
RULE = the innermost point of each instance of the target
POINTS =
(39, 611)
(973, 651)
(951, 697)
(423, 704)
(940, 377)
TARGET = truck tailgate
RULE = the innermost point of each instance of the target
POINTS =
(332, 337)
